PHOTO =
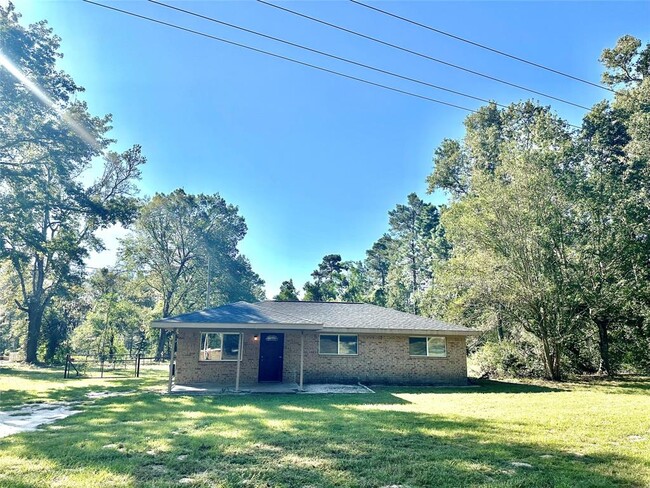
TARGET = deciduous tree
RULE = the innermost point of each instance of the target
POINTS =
(48, 140)
(185, 247)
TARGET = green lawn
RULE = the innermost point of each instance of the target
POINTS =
(571, 434)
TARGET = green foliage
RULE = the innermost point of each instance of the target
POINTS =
(13, 324)
(184, 246)
(330, 280)
(400, 266)
(49, 214)
(175, 237)
(550, 226)
(338, 280)
(62, 318)
(450, 169)
(508, 359)
(545, 245)
(288, 292)
(378, 262)
(625, 63)
(117, 323)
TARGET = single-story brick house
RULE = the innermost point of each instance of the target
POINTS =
(314, 342)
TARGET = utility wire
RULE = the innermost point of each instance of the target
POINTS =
(323, 53)
(483, 46)
(286, 58)
(422, 55)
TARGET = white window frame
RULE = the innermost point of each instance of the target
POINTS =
(338, 345)
(222, 334)
(428, 355)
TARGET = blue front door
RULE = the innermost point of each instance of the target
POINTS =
(271, 356)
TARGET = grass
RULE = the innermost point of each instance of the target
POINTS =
(23, 384)
(571, 434)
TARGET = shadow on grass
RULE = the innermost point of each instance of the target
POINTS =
(31, 373)
(633, 387)
(627, 384)
(63, 390)
(494, 386)
(291, 440)
(476, 387)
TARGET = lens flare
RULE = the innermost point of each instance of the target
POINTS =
(42, 96)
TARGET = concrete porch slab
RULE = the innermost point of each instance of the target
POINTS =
(216, 389)
(334, 388)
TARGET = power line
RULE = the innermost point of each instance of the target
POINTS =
(279, 56)
(323, 53)
(483, 46)
(422, 55)
(286, 58)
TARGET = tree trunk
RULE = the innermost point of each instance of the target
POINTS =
(414, 278)
(53, 341)
(162, 339)
(111, 347)
(34, 321)
(500, 332)
(603, 345)
(161, 344)
(557, 373)
(551, 359)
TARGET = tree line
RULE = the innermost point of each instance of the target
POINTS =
(544, 243)
(181, 254)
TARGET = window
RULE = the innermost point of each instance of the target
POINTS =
(218, 346)
(435, 347)
(341, 345)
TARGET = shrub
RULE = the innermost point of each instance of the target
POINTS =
(508, 359)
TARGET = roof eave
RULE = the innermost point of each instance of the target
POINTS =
(308, 327)
(421, 332)
(231, 326)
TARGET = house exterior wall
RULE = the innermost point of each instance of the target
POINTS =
(381, 359)
(190, 370)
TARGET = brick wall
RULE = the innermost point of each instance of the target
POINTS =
(190, 370)
(381, 359)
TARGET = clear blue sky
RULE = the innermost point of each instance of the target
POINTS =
(314, 161)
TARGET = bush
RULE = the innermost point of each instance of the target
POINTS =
(508, 359)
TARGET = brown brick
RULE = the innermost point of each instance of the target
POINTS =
(382, 359)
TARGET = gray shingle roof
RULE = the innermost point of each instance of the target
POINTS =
(325, 315)
(236, 313)
(359, 316)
